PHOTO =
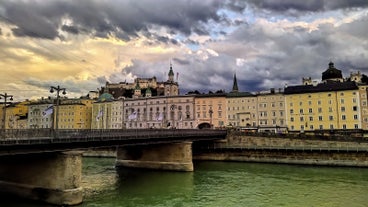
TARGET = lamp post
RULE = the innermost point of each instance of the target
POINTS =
(172, 108)
(57, 89)
(5, 96)
(210, 112)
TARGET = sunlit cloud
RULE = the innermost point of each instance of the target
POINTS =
(82, 44)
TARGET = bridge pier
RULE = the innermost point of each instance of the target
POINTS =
(53, 178)
(172, 156)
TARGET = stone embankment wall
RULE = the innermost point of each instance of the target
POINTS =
(239, 147)
(238, 140)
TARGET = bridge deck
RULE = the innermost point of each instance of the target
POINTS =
(36, 141)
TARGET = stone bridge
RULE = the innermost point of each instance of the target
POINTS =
(46, 165)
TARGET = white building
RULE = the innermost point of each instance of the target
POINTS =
(160, 112)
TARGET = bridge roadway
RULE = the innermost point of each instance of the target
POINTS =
(13, 142)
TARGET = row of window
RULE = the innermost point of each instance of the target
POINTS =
(319, 102)
(204, 107)
(311, 127)
(273, 105)
(173, 107)
(158, 117)
(330, 109)
(253, 100)
(320, 118)
(242, 101)
(158, 125)
(273, 122)
(204, 113)
(157, 102)
(274, 113)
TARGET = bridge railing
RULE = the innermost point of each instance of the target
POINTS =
(26, 133)
(105, 133)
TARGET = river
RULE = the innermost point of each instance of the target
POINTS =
(220, 184)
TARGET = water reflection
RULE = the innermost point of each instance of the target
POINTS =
(150, 188)
(285, 185)
(220, 184)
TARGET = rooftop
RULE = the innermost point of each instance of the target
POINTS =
(322, 87)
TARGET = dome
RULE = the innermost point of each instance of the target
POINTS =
(331, 73)
(105, 97)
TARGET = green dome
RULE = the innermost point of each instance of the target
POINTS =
(105, 97)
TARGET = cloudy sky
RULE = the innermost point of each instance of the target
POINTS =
(82, 44)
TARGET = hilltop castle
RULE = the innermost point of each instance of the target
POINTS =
(143, 87)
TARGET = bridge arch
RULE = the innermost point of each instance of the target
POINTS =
(204, 125)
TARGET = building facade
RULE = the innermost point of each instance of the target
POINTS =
(16, 115)
(363, 100)
(271, 111)
(210, 110)
(160, 112)
(320, 108)
(108, 113)
(334, 104)
(37, 116)
(242, 110)
(74, 114)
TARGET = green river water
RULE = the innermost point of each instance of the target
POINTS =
(220, 184)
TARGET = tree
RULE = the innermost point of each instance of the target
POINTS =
(364, 79)
(194, 92)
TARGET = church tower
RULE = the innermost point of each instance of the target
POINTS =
(171, 74)
(148, 93)
(137, 91)
(235, 85)
(171, 87)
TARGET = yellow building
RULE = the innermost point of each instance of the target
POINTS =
(210, 110)
(334, 104)
(363, 99)
(242, 110)
(271, 111)
(15, 115)
(74, 114)
(326, 106)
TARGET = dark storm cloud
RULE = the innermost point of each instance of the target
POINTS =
(70, 29)
(123, 18)
(237, 6)
(343, 4)
(275, 55)
(307, 5)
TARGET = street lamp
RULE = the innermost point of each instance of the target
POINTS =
(58, 89)
(172, 108)
(5, 96)
(210, 112)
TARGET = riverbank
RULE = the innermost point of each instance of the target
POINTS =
(244, 148)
